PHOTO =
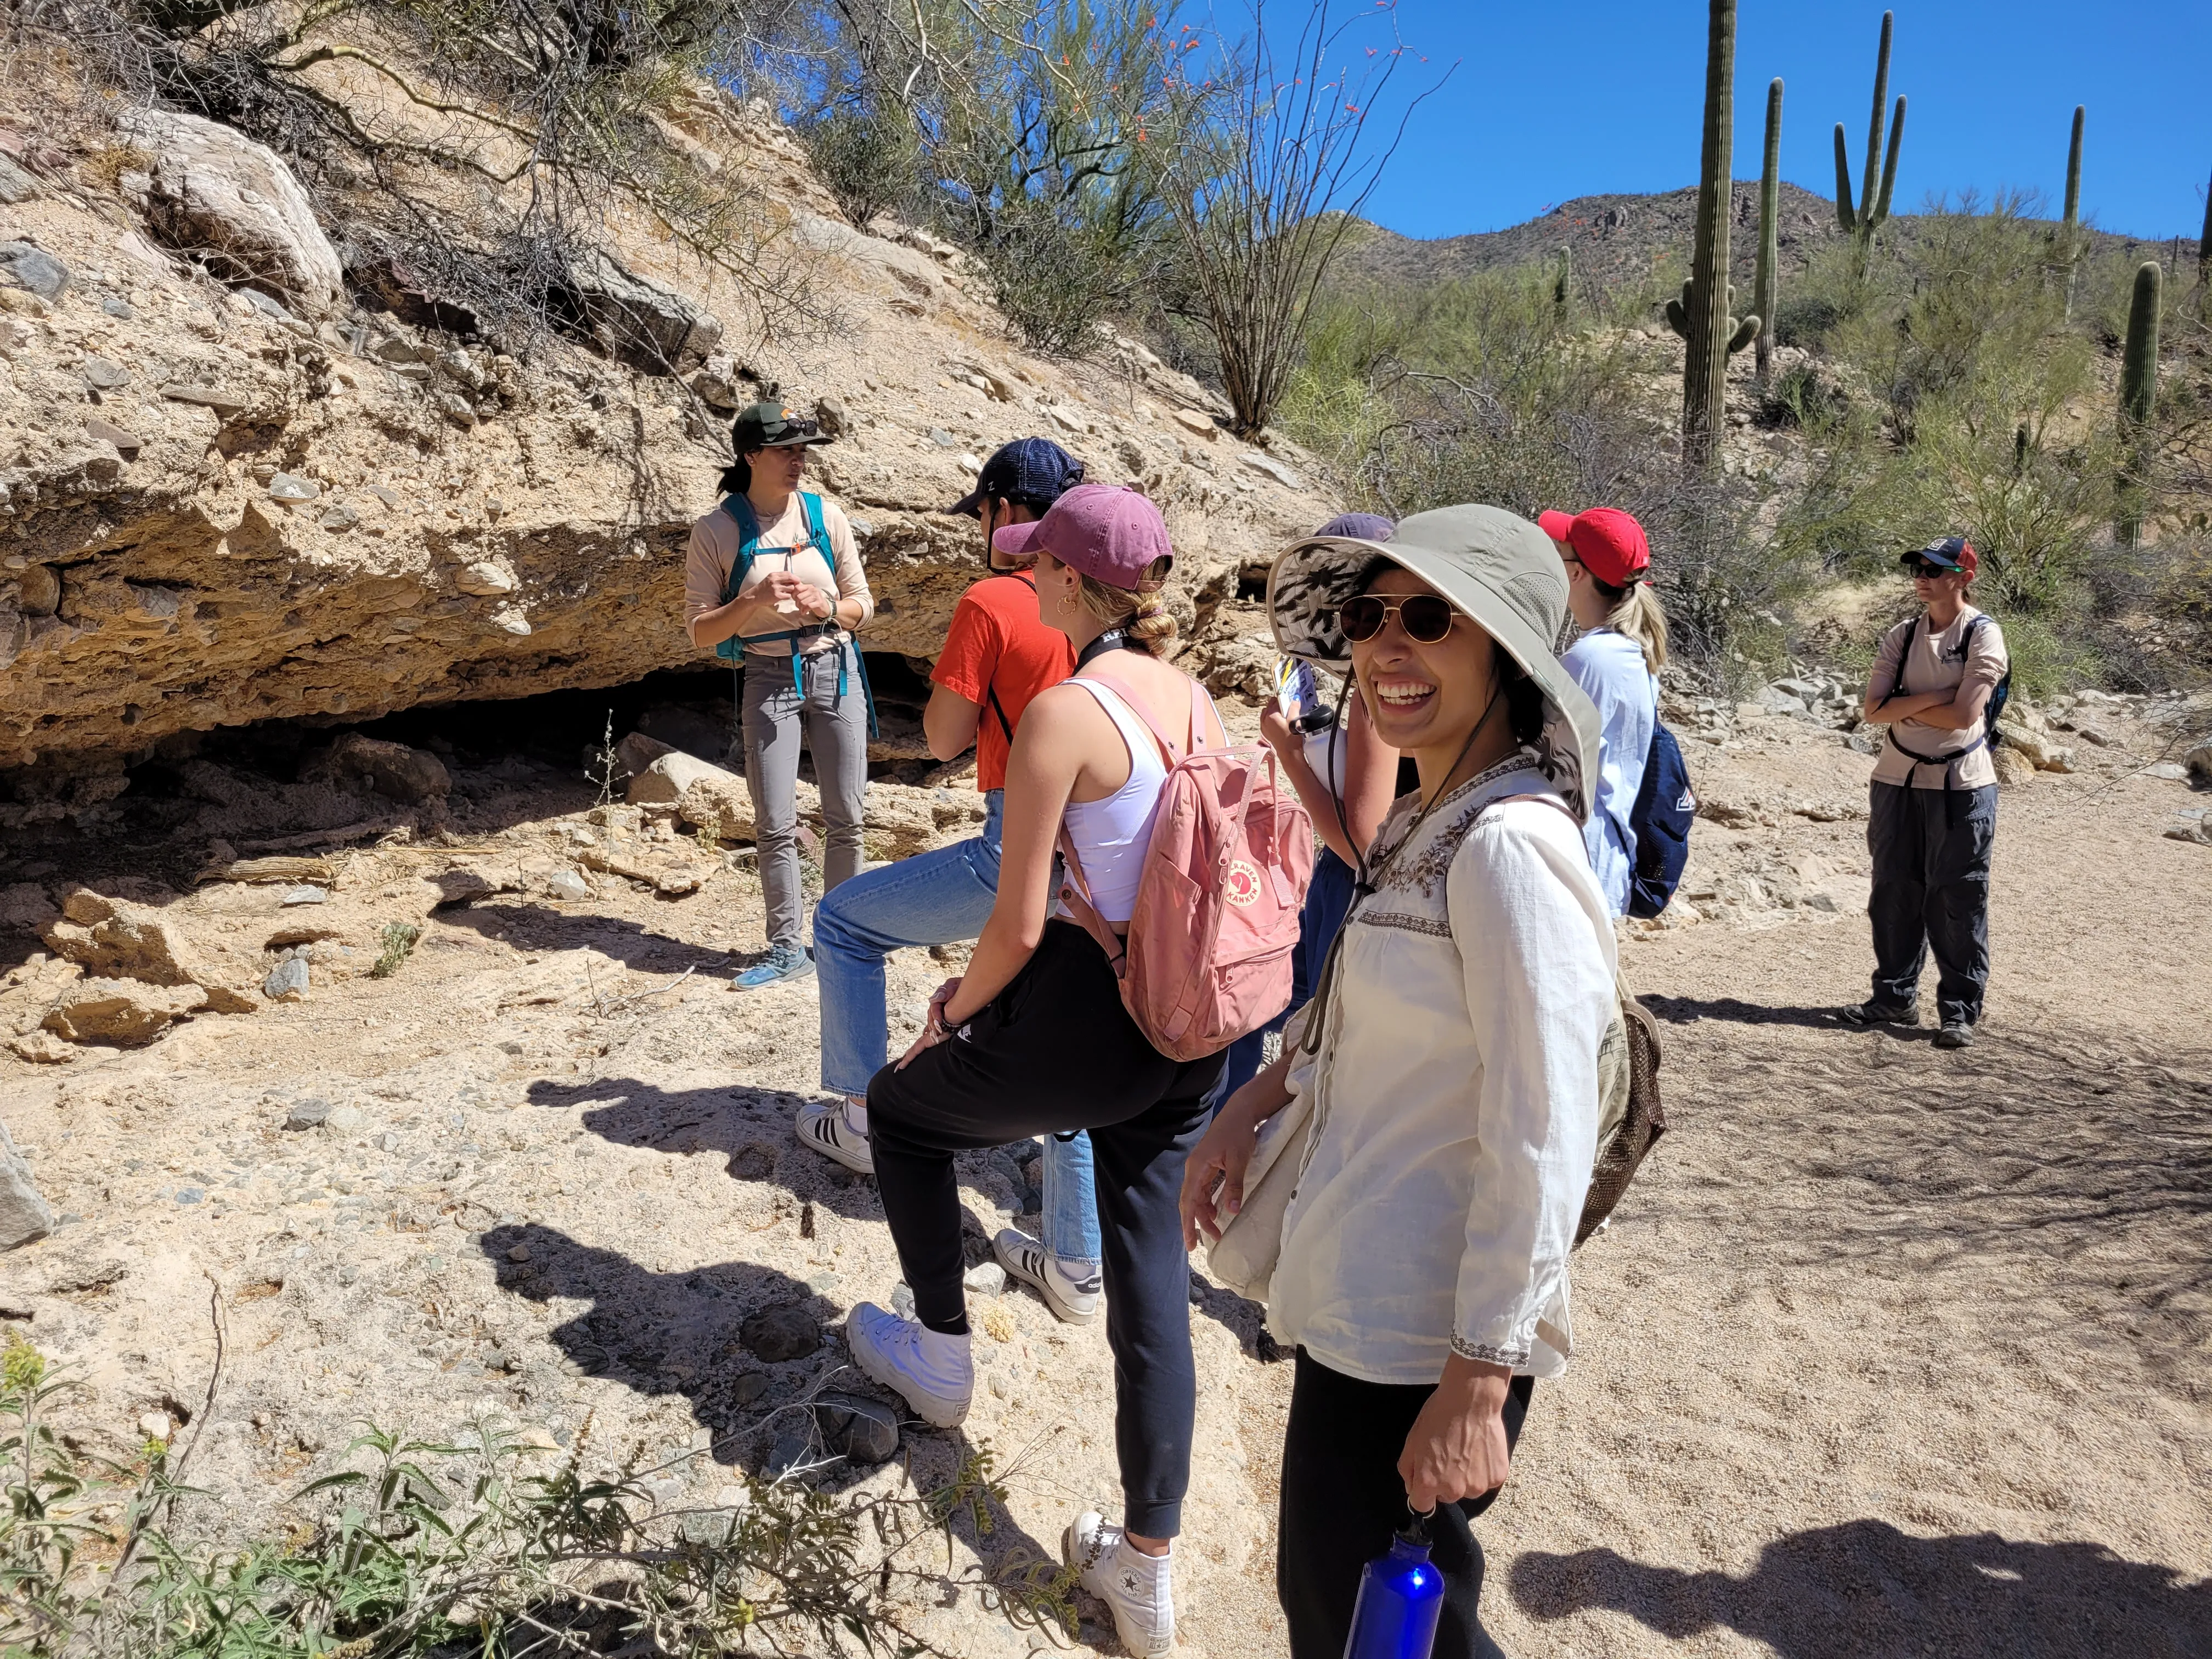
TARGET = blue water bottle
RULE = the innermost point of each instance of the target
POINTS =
(1402, 1596)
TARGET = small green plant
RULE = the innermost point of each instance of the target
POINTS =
(400, 938)
(425, 1547)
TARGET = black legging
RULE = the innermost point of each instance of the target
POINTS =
(1343, 1499)
(1055, 1051)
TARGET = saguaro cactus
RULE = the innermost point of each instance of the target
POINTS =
(1701, 315)
(1770, 233)
(2138, 400)
(2070, 226)
(1874, 205)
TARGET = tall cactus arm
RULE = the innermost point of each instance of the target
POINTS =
(1873, 123)
(1889, 163)
(2073, 169)
(1845, 217)
(1746, 332)
(1678, 313)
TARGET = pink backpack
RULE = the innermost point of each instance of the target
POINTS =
(1207, 959)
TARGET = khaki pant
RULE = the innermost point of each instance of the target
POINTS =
(835, 724)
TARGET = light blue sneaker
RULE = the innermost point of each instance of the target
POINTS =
(782, 963)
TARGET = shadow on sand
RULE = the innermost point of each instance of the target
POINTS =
(1866, 1590)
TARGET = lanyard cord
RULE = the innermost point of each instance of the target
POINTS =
(1113, 639)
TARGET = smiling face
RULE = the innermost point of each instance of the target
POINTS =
(1423, 697)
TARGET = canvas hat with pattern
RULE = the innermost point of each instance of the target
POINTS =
(1495, 567)
(774, 426)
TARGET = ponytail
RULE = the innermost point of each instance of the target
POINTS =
(737, 478)
(1635, 611)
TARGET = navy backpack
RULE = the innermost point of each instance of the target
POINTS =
(1665, 809)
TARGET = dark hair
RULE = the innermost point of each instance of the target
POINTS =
(737, 478)
(1524, 698)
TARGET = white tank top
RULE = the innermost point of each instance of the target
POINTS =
(1111, 836)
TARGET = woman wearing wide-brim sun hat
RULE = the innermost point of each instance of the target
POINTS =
(773, 582)
(1451, 1057)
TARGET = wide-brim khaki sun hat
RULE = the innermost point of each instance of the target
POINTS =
(1495, 567)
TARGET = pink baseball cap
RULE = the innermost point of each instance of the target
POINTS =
(1609, 543)
(1109, 532)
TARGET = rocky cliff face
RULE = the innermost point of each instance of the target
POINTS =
(229, 493)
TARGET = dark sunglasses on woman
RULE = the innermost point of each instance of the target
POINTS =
(1425, 618)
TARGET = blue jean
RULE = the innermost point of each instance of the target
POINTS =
(1328, 899)
(932, 898)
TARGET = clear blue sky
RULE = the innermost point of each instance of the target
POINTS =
(1559, 101)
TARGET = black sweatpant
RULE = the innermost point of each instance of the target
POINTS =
(1931, 891)
(1055, 1051)
(1343, 1499)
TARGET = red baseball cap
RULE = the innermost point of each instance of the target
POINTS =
(1609, 543)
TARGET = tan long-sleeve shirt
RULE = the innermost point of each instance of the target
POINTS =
(783, 545)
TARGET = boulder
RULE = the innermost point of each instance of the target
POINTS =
(24, 1216)
(2013, 769)
(866, 1431)
(24, 904)
(667, 775)
(638, 320)
(393, 769)
(234, 204)
(2200, 765)
(125, 1012)
(41, 1048)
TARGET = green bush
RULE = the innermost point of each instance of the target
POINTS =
(499, 1551)
(869, 160)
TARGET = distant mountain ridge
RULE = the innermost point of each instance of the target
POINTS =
(1617, 239)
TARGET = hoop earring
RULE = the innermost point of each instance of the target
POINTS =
(1067, 602)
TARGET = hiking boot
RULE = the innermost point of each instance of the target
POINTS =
(1136, 1587)
(1073, 1301)
(822, 1128)
(782, 963)
(1871, 1013)
(1955, 1034)
(929, 1370)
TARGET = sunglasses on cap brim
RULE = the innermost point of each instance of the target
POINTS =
(1424, 616)
(794, 432)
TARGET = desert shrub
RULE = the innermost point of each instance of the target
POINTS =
(1481, 389)
(501, 1549)
(868, 160)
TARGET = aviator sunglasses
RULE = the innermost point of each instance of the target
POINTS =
(1425, 618)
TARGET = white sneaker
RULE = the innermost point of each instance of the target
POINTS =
(931, 1372)
(822, 1128)
(1135, 1586)
(1073, 1301)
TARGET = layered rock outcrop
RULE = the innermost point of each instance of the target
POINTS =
(219, 506)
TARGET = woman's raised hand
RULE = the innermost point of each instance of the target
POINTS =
(1275, 729)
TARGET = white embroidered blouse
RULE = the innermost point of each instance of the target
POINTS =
(1456, 1107)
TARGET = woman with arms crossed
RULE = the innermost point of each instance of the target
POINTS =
(1422, 1276)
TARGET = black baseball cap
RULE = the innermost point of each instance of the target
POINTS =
(1031, 473)
(774, 426)
(1949, 552)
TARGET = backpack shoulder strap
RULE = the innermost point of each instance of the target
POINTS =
(748, 534)
(817, 533)
(1129, 694)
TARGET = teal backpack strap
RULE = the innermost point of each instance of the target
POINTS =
(740, 510)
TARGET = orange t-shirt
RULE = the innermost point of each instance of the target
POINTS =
(997, 645)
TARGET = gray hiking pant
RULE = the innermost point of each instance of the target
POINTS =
(1931, 891)
(836, 730)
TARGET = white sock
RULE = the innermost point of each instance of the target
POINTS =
(943, 1360)
(856, 1118)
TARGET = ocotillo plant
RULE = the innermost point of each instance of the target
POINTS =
(2204, 244)
(2070, 229)
(2138, 401)
(1701, 315)
(1770, 215)
(1874, 205)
